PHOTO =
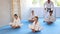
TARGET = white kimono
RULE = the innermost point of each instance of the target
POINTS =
(16, 22)
(35, 26)
(31, 16)
(48, 5)
(50, 19)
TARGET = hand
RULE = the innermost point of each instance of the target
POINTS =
(45, 8)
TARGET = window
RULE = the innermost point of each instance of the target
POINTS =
(58, 2)
(35, 3)
(40, 3)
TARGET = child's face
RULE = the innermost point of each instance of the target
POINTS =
(50, 13)
(32, 12)
(48, 1)
(16, 17)
(35, 19)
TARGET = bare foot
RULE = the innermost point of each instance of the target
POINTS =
(33, 30)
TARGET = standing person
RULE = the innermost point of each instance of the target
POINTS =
(48, 5)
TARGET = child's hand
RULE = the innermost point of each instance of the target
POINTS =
(45, 8)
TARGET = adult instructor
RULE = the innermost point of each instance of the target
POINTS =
(48, 5)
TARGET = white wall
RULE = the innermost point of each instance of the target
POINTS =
(26, 10)
(5, 6)
(57, 11)
(39, 12)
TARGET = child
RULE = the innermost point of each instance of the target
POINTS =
(50, 19)
(16, 22)
(32, 16)
(35, 26)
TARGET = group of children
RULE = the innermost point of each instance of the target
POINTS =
(35, 26)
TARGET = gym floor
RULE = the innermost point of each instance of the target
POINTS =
(53, 28)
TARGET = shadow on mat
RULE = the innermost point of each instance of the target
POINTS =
(34, 32)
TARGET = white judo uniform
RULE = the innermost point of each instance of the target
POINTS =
(48, 6)
(50, 19)
(31, 16)
(35, 26)
(16, 22)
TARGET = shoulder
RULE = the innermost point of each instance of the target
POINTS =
(45, 2)
(51, 2)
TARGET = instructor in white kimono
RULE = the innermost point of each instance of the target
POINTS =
(48, 5)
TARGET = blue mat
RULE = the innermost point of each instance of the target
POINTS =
(47, 29)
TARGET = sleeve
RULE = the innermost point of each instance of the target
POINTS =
(14, 20)
(44, 5)
(33, 23)
(30, 17)
(38, 24)
(19, 20)
(53, 19)
(52, 6)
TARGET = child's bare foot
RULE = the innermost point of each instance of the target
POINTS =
(18, 26)
(49, 22)
(14, 27)
(33, 30)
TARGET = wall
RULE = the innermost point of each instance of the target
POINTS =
(57, 11)
(5, 17)
(39, 12)
(26, 10)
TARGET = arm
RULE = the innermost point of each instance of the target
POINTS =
(14, 20)
(19, 20)
(52, 6)
(45, 6)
